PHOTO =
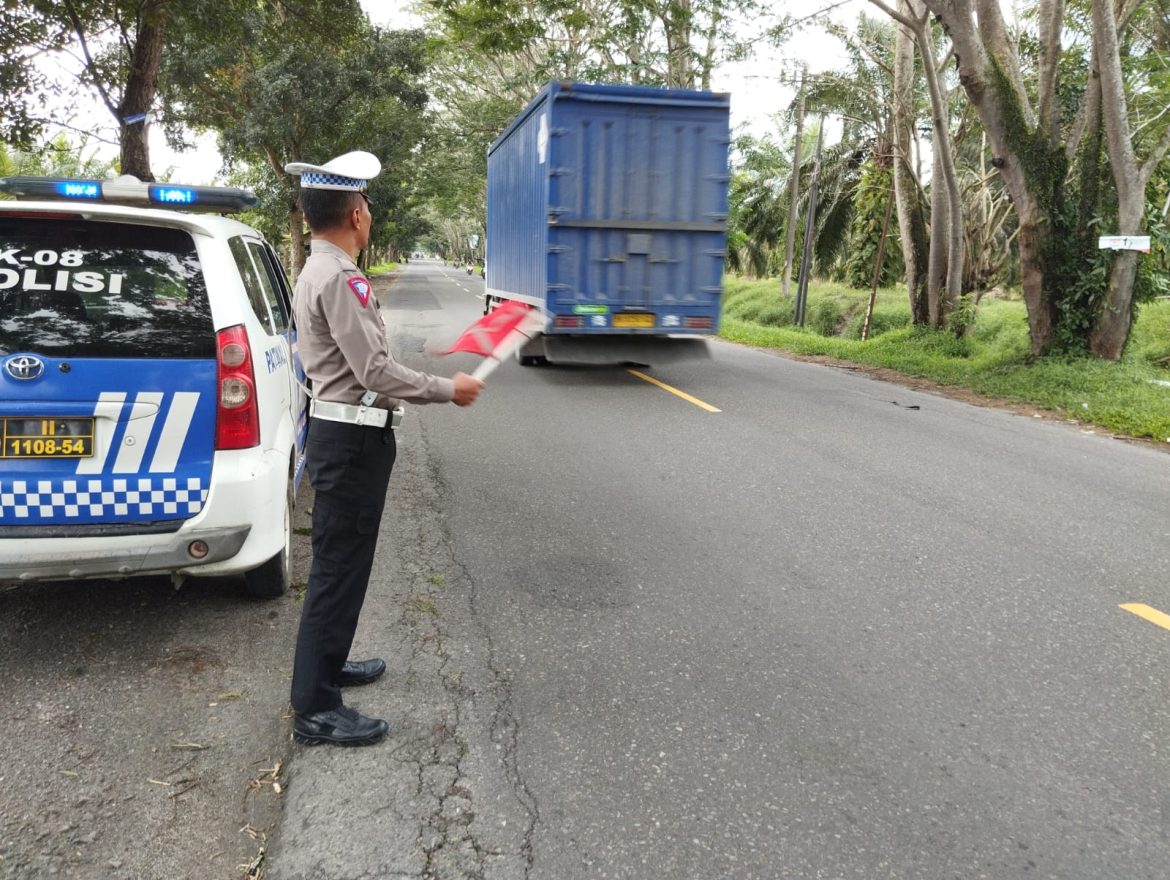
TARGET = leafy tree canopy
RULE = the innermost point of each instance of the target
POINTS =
(303, 80)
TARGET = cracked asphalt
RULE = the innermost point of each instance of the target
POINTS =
(443, 796)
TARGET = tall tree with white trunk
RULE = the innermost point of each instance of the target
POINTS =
(1131, 176)
(1049, 168)
(945, 261)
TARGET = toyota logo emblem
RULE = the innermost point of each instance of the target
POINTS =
(24, 367)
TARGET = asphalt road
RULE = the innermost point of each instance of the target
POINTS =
(837, 629)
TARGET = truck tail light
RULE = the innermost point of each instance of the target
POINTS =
(697, 323)
(568, 321)
(237, 417)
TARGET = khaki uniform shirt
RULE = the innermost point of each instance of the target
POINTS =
(341, 337)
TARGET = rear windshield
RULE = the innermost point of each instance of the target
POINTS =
(83, 288)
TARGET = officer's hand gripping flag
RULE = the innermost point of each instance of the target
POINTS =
(498, 334)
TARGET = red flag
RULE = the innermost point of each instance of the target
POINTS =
(489, 332)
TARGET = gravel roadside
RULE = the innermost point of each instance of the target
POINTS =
(146, 729)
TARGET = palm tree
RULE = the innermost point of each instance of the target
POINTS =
(859, 94)
(758, 206)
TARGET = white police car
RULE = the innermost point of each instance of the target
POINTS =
(151, 418)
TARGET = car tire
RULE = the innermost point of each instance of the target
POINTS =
(270, 580)
(525, 356)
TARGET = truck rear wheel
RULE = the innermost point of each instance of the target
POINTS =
(271, 579)
(531, 353)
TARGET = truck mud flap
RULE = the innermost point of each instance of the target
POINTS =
(648, 350)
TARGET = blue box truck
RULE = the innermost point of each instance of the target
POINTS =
(607, 208)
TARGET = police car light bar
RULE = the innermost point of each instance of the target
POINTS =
(128, 190)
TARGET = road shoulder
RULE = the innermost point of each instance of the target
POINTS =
(441, 796)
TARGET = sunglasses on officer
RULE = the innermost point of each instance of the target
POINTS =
(369, 201)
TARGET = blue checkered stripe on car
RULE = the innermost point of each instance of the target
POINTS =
(110, 498)
(313, 178)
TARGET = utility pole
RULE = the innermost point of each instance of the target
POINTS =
(793, 189)
(810, 220)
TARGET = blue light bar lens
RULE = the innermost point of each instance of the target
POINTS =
(128, 191)
(78, 189)
(173, 195)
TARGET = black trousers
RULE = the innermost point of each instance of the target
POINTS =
(349, 468)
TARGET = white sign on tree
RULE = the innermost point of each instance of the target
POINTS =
(1124, 243)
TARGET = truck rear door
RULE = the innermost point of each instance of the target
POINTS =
(638, 212)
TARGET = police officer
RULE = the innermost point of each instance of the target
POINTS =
(350, 450)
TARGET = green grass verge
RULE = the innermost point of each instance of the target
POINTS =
(382, 268)
(994, 359)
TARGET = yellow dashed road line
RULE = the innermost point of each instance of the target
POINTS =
(1153, 615)
(700, 404)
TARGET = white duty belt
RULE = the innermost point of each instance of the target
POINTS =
(362, 414)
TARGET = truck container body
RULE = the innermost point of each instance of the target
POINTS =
(607, 208)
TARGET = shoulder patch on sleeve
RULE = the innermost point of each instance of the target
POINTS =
(361, 289)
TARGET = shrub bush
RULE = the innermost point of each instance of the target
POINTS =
(777, 314)
(824, 316)
(885, 319)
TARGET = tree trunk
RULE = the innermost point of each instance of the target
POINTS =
(707, 63)
(676, 17)
(1050, 14)
(296, 239)
(1042, 314)
(936, 266)
(1004, 111)
(793, 193)
(911, 223)
(138, 98)
(1111, 329)
(994, 36)
(944, 163)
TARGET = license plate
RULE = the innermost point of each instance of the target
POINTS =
(632, 319)
(46, 438)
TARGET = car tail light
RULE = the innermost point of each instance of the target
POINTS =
(568, 321)
(697, 323)
(237, 417)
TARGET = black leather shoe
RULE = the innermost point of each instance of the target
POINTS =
(342, 726)
(361, 672)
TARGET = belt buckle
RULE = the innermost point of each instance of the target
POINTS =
(364, 407)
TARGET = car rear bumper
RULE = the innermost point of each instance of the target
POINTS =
(249, 486)
(123, 556)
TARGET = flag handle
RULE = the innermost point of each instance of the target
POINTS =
(485, 369)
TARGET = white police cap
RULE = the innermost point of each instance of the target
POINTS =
(351, 171)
